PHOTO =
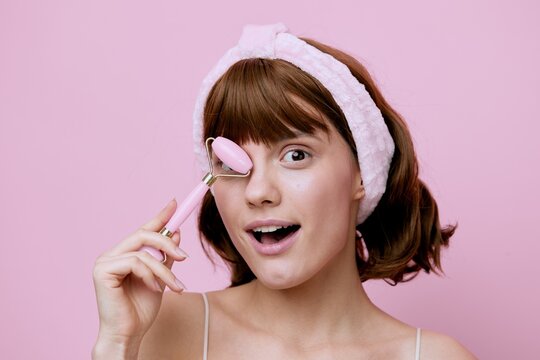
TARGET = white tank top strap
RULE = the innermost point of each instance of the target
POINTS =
(417, 353)
(206, 318)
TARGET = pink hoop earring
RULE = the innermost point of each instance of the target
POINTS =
(361, 248)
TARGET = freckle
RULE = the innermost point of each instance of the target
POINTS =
(299, 186)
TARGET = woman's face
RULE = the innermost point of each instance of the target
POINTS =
(312, 181)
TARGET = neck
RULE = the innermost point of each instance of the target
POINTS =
(331, 305)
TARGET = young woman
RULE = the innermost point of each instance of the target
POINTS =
(333, 199)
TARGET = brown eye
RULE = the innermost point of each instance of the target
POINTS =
(296, 155)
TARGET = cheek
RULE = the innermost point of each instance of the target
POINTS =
(229, 198)
(226, 197)
(329, 195)
(223, 201)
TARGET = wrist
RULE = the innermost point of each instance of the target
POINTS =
(111, 347)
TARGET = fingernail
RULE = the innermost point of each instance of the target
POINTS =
(181, 252)
(169, 203)
(180, 284)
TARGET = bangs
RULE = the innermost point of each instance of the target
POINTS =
(265, 100)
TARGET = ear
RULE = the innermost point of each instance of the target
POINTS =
(358, 186)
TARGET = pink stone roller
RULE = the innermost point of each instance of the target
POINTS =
(231, 155)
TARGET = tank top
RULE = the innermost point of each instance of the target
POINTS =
(206, 320)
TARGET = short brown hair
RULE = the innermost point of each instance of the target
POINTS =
(254, 101)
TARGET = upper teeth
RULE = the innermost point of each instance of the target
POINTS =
(271, 228)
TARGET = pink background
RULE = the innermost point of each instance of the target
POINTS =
(96, 100)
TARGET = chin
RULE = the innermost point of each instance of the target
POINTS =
(279, 278)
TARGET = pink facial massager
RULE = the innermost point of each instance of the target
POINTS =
(231, 155)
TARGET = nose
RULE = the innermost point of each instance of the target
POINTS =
(262, 187)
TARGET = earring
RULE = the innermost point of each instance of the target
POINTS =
(361, 248)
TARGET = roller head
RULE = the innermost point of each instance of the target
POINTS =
(232, 155)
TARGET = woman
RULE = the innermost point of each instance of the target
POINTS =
(333, 199)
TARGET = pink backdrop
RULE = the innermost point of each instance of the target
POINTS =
(96, 100)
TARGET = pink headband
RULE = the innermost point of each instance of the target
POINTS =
(374, 144)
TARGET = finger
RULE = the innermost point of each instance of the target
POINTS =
(161, 219)
(119, 268)
(160, 271)
(170, 261)
(176, 238)
(145, 237)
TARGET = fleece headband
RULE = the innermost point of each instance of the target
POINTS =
(374, 143)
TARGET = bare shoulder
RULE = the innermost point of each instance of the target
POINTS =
(439, 346)
(178, 329)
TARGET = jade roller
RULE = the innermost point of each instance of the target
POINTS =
(232, 156)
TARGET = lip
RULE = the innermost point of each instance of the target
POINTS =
(276, 248)
(267, 222)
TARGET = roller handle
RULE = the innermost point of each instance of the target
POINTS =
(180, 215)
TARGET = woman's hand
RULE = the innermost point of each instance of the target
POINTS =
(129, 283)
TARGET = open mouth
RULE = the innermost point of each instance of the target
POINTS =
(275, 236)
